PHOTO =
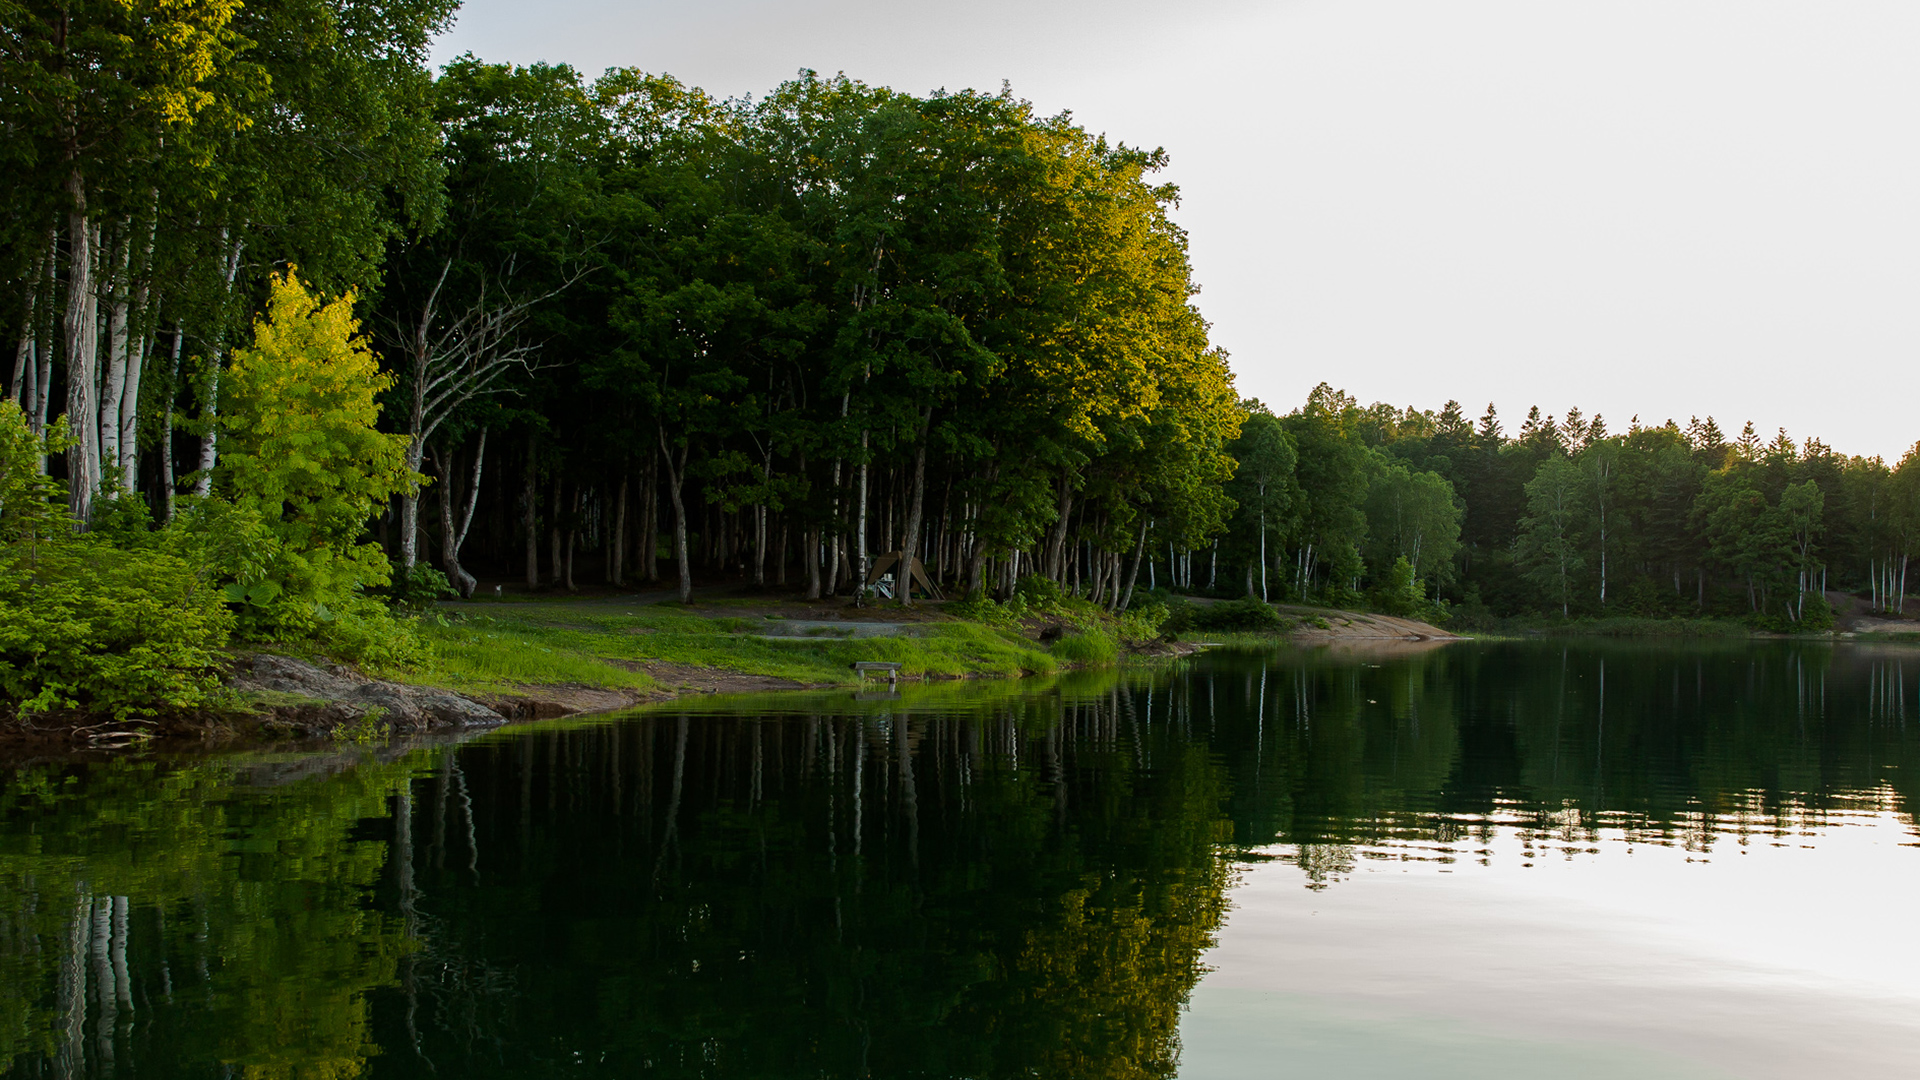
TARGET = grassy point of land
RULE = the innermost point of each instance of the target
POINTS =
(633, 644)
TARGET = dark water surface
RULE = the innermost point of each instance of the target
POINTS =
(1473, 860)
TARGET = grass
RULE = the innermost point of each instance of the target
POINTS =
(561, 643)
(1092, 650)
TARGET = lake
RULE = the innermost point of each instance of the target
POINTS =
(1518, 859)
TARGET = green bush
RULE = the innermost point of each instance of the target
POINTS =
(1400, 591)
(1142, 622)
(418, 588)
(1037, 591)
(1179, 609)
(983, 609)
(1237, 615)
(1091, 649)
(125, 633)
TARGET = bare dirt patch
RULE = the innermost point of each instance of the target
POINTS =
(1354, 625)
(677, 679)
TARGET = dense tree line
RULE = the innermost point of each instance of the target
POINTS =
(624, 320)
(1337, 500)
(631, 333)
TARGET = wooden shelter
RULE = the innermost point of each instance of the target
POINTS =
(915, 574)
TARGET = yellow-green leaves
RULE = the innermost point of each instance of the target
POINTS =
(300, 447)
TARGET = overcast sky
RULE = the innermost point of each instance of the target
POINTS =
(1661, 207)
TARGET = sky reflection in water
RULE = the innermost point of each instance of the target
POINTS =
(1519, 859)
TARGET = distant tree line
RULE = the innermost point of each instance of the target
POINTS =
(1337, 501)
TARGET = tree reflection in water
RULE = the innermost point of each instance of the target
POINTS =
(983, 880)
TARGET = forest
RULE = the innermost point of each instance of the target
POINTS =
(1430, 512)
(301, 327)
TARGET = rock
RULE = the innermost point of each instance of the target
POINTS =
(315, 700)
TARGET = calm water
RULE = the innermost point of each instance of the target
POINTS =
(1497, 860)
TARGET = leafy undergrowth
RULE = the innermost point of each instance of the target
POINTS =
(555, 643)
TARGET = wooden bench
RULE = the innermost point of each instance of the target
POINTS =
(868, 668)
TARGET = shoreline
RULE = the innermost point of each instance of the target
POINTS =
(587, 656)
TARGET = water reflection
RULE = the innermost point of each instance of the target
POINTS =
(976, 880)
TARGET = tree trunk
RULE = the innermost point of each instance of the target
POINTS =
(557, 556)
(119, 297)
(916, 507)
(453, 535)
(83, 354)
(166, 431)
(617, 547)
(129, 402)
(410, 508)
(42, 331)
(532, 496)
(26, 364)
(810, 542)
(860, 530)
(650, 523)
(1057, 543)
(1263, 549)
(760, 524)
(210, 406)
(675, 475)
(1133, 575)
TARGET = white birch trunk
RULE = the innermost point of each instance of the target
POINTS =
(129, 402)
(210, 409)
(166, 432)
(119, 297)
(860, 529)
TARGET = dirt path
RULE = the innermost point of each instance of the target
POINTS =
(1359, 626)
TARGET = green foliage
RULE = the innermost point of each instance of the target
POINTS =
(1086, 650)
(1400, 592)
(984, 609)
(418, 589)
(1237, 615)
(1548, 547)
(84, 625)
(1037, 591)
(1142, 622)
(301, 449)
(120, 633)
(1412, 516)
(33, 506)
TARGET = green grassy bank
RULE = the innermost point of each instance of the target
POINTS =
(491, 648)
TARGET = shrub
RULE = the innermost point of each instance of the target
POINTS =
(1400, 591)
(1237, 615)
(1093, 649)
(1142, 622)
(127, 633)
(418, 588)
(1037, 591)
(983, 609)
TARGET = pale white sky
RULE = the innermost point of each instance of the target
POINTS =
(1662, 207)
